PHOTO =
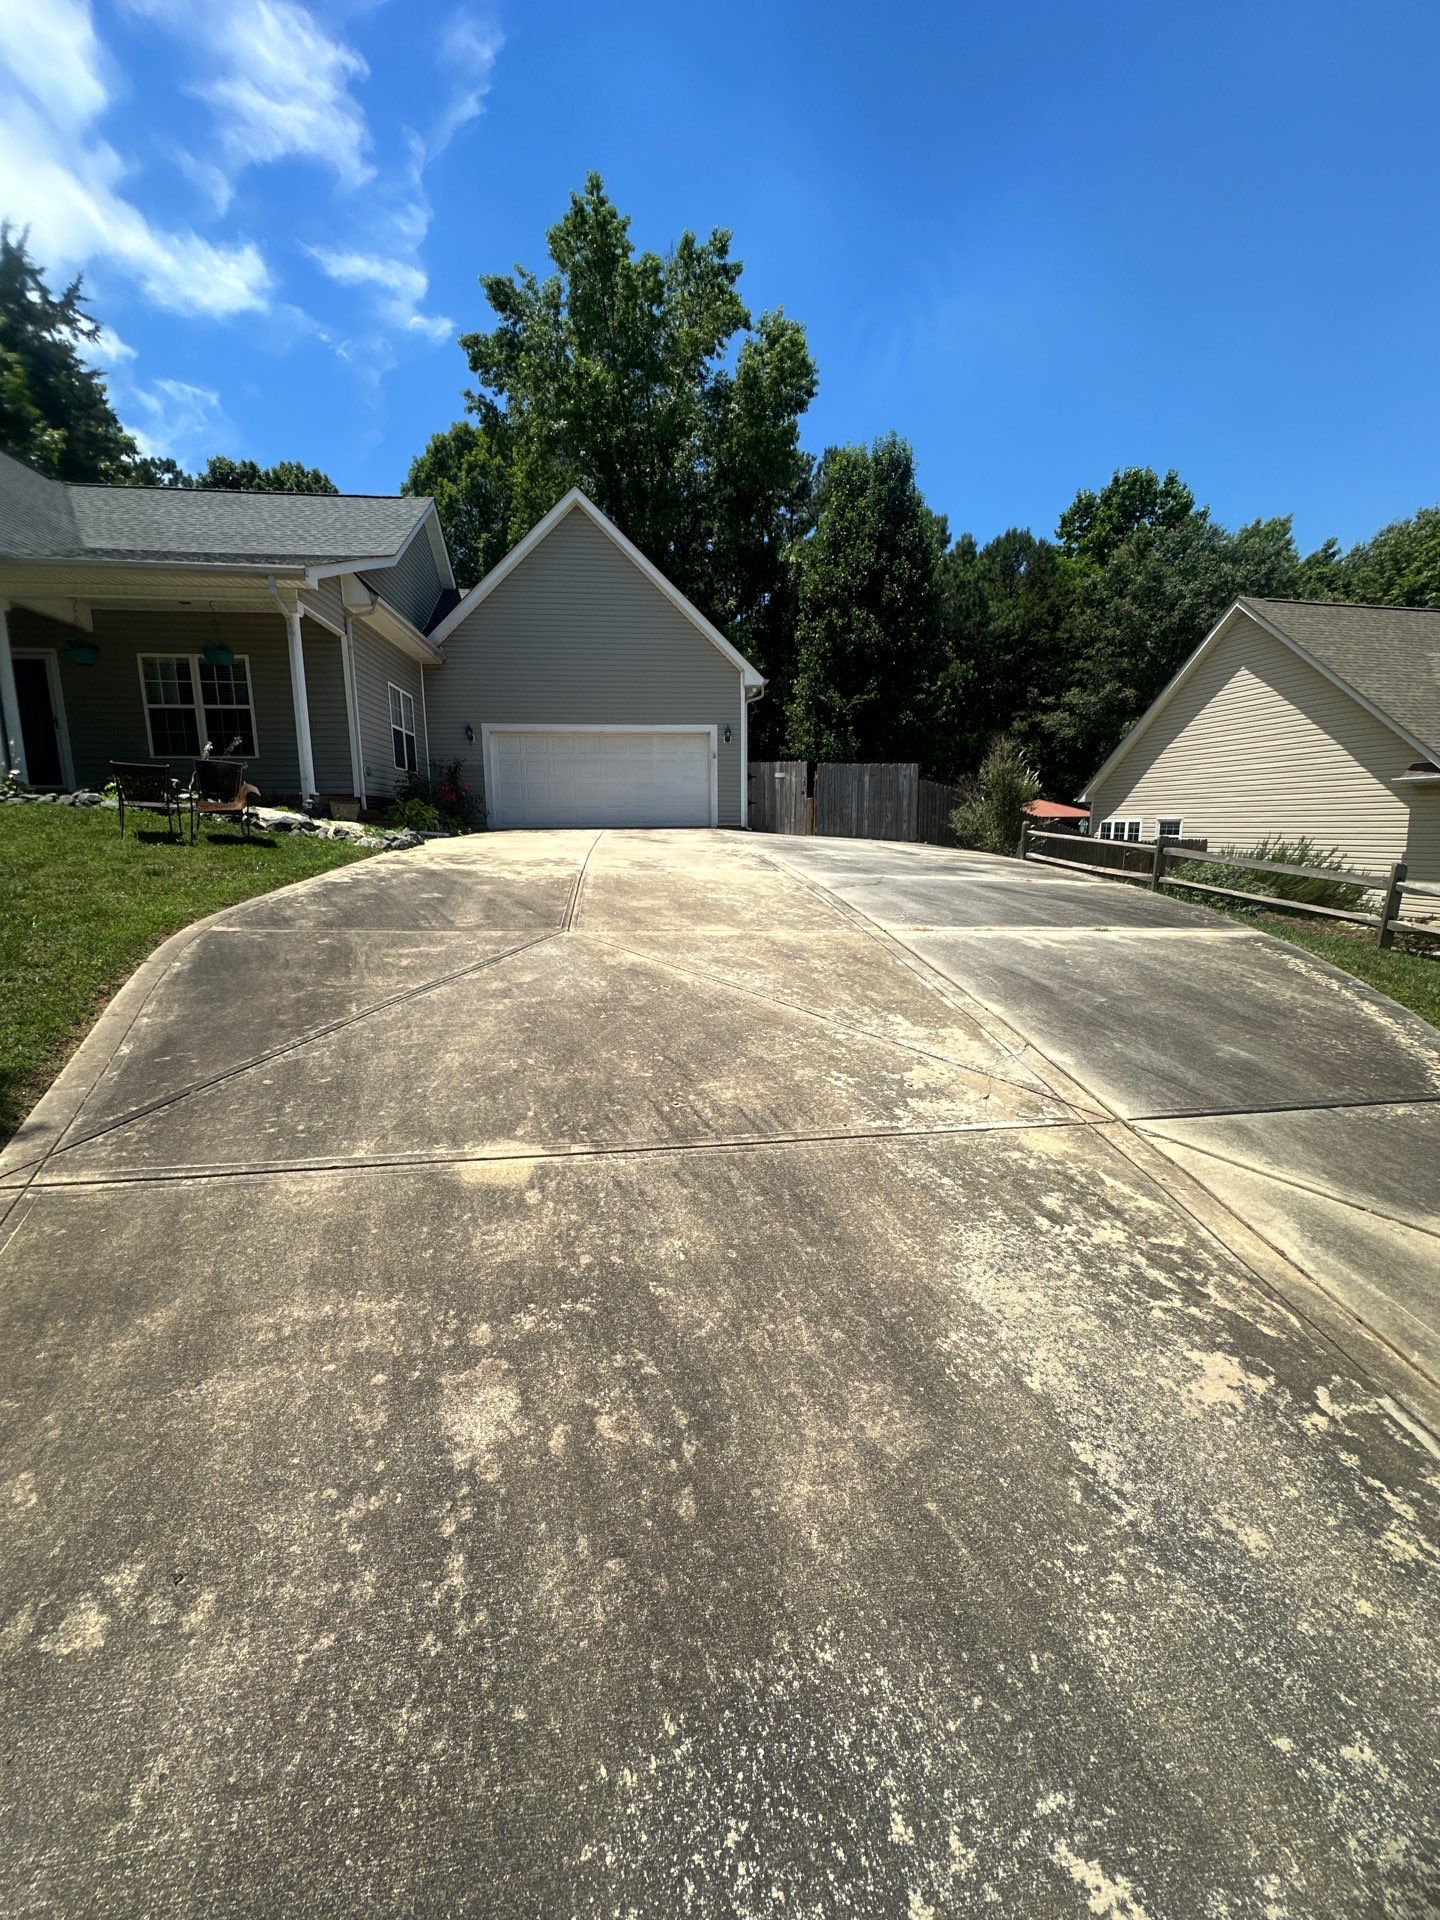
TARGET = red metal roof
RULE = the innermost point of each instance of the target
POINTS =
(1054, 810)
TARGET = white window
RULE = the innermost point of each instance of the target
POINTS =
(402, 729)
(1119, 829)
(1169, 829)
(189, 701)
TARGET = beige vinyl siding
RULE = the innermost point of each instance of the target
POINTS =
(1256, 742)
(377, 664)
(576, 635)
(413, 584)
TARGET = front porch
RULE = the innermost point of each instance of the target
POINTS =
(85, 683)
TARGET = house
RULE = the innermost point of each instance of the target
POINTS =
(322, 638)
(1292, 717)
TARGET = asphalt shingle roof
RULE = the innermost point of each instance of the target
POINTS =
(42, 518)
(1390, 655)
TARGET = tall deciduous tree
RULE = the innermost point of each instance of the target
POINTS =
(645, 381)
(867, 611)
(1094, 524)
(466, 471)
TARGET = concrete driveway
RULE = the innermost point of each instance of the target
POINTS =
(657, 1374)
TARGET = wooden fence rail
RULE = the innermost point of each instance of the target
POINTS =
(1149, 859)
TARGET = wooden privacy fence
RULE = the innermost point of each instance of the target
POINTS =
(867, 802)
(1391, 887)
(778, 799)
(936, 803)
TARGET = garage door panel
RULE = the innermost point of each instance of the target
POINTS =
(568, 777)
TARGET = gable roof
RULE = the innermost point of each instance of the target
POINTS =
(1386, 658)
(46, 519)
(575, 501)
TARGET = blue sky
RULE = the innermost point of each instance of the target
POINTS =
(1039, 240)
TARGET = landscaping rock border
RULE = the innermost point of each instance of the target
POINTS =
(269, 819)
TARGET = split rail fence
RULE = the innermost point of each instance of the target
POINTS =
(1148, 860)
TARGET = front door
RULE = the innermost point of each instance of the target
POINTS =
(39, 722)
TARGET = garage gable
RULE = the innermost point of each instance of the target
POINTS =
(577, 634)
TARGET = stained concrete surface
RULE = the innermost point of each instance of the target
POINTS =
(770, 1453)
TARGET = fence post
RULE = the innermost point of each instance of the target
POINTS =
(1024, 837)
(1390, 905)
(1158, 864)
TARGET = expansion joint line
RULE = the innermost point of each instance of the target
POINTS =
(567, 925)
(1125, 1137)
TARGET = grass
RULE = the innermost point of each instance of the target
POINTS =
(83, 908)
(1411, 976)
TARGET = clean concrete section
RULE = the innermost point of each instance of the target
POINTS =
(606, 1375)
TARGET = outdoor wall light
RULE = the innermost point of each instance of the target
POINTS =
(469, 733)
(727, 734)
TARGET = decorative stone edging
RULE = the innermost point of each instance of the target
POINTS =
(270, 819)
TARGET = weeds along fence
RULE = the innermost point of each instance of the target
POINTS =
(1155, 862)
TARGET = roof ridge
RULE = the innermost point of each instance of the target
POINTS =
(1360, 606)
(225, 493)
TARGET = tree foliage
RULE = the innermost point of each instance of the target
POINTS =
(1094, 524)
(223, 475)
(644, 381)
(54, 409)
(867, 611)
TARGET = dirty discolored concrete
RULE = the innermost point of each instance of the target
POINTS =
(669, 1394)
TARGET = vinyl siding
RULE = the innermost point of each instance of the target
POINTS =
(577, 635)
(104, 703)
(1257, 742)
(413, 584)
(325, 697)
(326, 600)
(377, 664)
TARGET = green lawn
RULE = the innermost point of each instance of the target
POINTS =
(1412, 978)
(82, 909)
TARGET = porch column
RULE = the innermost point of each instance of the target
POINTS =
(10, 700)
(352, 709)
(302, 705)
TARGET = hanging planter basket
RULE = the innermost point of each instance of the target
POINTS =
(217, 654)
(82, 653)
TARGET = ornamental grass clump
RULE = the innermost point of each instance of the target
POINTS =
(1315, 892)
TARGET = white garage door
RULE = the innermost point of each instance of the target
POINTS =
(578, 777)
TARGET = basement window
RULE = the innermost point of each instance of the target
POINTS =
(402, 729)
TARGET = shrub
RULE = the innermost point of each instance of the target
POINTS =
(415, 813)
(993, 810)
(1285, 886)
(447, 792)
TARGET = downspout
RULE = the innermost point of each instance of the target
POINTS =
(425, 722)
(296, 645)
(10, 700)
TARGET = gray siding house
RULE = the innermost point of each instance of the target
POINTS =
(324, 637)
(596, 691)
(1293, 717)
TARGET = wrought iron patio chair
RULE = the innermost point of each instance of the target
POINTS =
(220, 788)
(146, 787)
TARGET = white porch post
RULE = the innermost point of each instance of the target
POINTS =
(10, 700)
(302, 705)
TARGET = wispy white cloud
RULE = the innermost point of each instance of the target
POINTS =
(469, 47)
(278, 81)
(52, 53)
(397, 286)
(69, 189)
(176, 419)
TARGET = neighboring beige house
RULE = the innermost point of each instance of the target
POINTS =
(1292, 717)
(325, 634)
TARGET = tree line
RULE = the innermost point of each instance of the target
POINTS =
(646, 380)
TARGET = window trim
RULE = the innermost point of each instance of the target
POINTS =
(196, 661)
(400, 728)
(1118, 825)
(1178, 821)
